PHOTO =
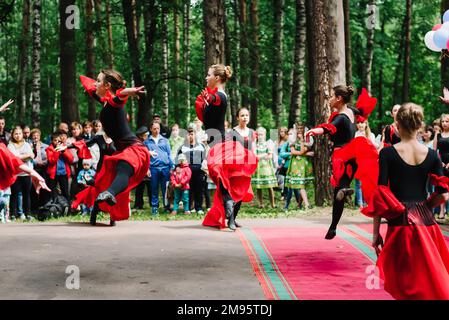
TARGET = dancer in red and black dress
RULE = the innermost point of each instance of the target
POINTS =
(390, 134)
(351, 157)
(414, 262)
(230, 164)
(127, 167)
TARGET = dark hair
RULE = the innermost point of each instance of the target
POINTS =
(62, 132)
(55, 134)
(114, 78)
(430, 128)
(87, 123)
(2, 117)
(154, 122)
(345, 92)
(237, 114)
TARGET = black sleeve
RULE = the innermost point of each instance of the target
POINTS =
(338, 122)
(92, 141)
(437, 169)
(383, 167)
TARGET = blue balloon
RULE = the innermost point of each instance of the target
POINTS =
(441, 37)
(446, 16)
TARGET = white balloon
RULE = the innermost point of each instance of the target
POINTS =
(445, 25)
(428, 40)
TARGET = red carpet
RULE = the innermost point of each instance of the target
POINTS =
(303, 265)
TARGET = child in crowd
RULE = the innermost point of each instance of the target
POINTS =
(180, 179)
(4, 205)
(85, 178)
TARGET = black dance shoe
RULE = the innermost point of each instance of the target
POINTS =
(107, 197)
(331, 233)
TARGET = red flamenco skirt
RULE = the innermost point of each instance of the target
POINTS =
(9, 167)
(414, 262)
(139, 158)
(232, 165)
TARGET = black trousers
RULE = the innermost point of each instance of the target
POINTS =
(140, 190)
(197, 182)
(63, 183)
(38, 200)
(23, 185)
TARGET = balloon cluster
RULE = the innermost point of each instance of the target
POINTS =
(438, 39)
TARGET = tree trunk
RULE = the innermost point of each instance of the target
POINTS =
(277, 87)
(380, 96)
(36, 87)
(187, 56)
(129, 14)
(243, 53)
(255, 59)
(23, 58)
(227, 61)
(235, 93)
(90, 55)
(150, 13)
(164, 66)
(69, 105)
(321, 94)
(177, 57)
(311, 61)
(335, 42)
(213, 16)
(298, 64)
(110, 54)
(371, 24)
(396, 85)
(406, 73)
(348, 49)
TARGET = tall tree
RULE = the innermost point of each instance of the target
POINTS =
(165, 105)
(278, 35)
(177, 58)
(187, 56)
(335, 42)
(243, 52)
(23, 59)
(298, 64)
(321, 94)
(129, 14)
(67, 27)
(235, 61)
(36, 87)
(348, 50)
(371, 23)
(255, 61)
(150, 23)
(90, 54)
(110, 54)
(407, 50)
(397, 77)
(214, 35)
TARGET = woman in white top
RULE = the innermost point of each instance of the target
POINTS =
(24, 152)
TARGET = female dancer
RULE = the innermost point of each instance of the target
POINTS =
(126, 168)
(414, 262)
(230, 164)
(390, 134)
(441, 144)
(345, 159)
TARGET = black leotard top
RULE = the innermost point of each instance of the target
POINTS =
(407, 182)
(345, 130)
(443, 148)
(391, 137)
(214, 116)
(105, 148)
(115, 123)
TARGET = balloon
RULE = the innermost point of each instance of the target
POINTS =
(440, 38)
(428, 40)
(446, 16)
(436, 27)
(444, 25)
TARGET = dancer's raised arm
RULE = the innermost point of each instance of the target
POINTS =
(4, 107)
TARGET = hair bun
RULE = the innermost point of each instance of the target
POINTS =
(350, 90)
(228, 72)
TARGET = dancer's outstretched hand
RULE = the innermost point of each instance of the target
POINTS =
(38, 182)
(445, 97)
(378, 243)
(6, 105)
(133, 92)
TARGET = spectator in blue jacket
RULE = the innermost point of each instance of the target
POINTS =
(161, 166)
